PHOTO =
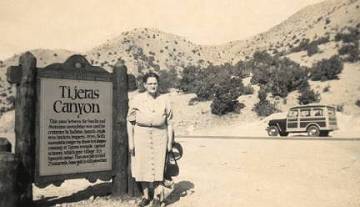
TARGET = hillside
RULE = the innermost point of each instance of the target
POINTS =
(146, 48)
(323, 19)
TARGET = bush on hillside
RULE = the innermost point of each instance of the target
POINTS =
(248, 90)
(277, 75)
(357, 102)
(351, 52)
(264, 107)
(168, 79)
(310, 46)
(340, 108)
(326, 89)
(226, 94)
(132, 86)
(327, 69)
(191, 79)
(307, 95)
(350, 37)
(204, 81)
(312, 49)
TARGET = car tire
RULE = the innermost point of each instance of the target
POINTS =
(273, 131)
(313, 131)
(284, 134)
(324, 133)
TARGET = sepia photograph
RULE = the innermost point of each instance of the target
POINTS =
(191, 103)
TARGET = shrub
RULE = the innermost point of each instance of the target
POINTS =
(192, 79)
(326, 89)
(340, 108)
(327, 69)
(264, 107)
(350, 35)
(168, 79)
(357, 102)
(327, 21)
(205, 82)
(247, 90)
(132, 86)
(307, 95)
(278, 75)
(226, 94)
(351, 51)
(312, 49)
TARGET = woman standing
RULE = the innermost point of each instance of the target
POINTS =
(150, 137)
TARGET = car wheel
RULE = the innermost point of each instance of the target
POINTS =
(313, 131)
(273, 131)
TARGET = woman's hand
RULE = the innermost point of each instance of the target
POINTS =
(169, 147)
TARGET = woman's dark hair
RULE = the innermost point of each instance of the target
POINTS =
(150, 75)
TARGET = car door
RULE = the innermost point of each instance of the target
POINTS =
(292, 121)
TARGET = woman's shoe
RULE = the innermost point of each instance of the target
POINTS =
(144, 202)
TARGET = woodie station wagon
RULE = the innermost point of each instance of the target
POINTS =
(316, 120)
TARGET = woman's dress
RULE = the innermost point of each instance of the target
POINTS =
(151, 116)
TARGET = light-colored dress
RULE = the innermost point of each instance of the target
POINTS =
(151, 116)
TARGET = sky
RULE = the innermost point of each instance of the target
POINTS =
(80, 25)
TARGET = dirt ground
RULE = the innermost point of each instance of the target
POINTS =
(244, 172)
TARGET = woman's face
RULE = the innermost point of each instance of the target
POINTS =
(151, 85)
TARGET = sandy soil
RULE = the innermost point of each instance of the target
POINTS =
(219, 172)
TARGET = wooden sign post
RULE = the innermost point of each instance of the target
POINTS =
(24, 76)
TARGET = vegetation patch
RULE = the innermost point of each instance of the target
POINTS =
(327, 69)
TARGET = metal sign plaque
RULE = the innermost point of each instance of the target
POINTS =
(75, 126)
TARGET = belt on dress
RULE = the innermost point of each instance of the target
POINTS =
(150, 125)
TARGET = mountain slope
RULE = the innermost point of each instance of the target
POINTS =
(144, 48)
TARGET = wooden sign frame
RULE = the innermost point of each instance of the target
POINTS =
(74, 68)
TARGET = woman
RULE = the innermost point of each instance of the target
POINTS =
(150, 137)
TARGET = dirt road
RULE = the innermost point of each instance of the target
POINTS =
(249, 172)
(271, 173)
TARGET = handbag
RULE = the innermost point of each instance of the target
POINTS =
(171, 166)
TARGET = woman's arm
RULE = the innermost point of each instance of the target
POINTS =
(130, 129)
(170, 132)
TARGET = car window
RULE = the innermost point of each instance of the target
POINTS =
(293, 114)
(317, 112)
(305, 112)
(331, 111)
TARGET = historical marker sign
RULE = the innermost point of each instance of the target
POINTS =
(75, 113)
(75, 126)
